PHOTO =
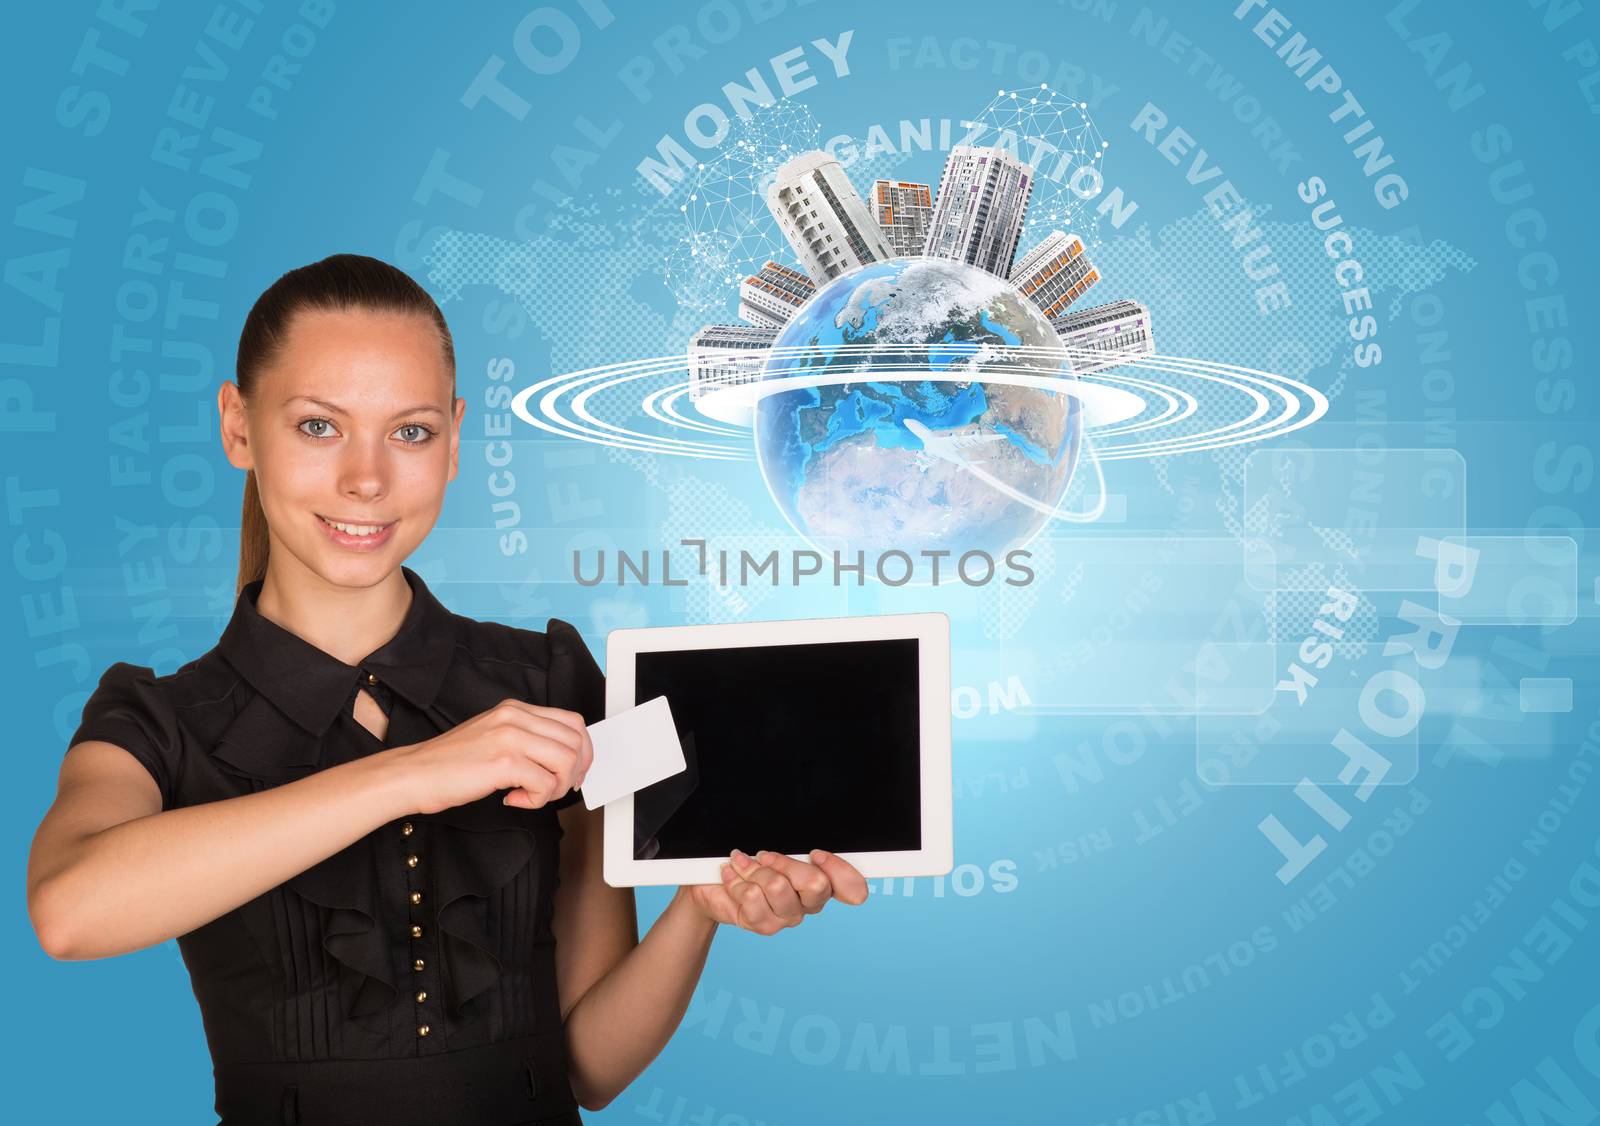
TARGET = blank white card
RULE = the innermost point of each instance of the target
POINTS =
(632, 750)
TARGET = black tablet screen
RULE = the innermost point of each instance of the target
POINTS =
(789, 748)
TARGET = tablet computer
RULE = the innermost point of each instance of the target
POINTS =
(830, 733)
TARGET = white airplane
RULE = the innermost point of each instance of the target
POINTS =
(950, 447)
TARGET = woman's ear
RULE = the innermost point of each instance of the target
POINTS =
(235, 434)
(460, 407)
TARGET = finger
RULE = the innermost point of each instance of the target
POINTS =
(588, 758)
(810, 882)
(755, 913)
(583, 747)
(539, 721)
(542, 772)
(849, 885)
(781, 894)
(564, 716)
(721, 904)
(533, 787)
(553, 745)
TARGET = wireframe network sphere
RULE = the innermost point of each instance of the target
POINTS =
(867, 463)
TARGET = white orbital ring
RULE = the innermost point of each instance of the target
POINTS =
(661, 404)
(1180, 405)
(1298, 404)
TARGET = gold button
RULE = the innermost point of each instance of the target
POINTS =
(422, 1030)
(405, 830)
(417, 965)
(372, 678)
(416, 931)
(422, 995)
(416, 897)
(411, 861)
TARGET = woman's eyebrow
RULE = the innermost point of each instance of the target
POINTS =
(420, 408)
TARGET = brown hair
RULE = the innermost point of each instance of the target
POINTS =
(340, 281)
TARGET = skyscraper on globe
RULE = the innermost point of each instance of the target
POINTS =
(1055, 273)
(725, 355)
(1106, 335)
(770, 296)
(981, 206)
(823, 218)
(902, 210)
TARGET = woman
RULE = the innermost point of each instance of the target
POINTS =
(351, 811)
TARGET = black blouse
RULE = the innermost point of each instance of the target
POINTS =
(412, 974)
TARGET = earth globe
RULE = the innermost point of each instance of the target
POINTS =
(895, 355)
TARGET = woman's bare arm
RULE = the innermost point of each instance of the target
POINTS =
(621, 999)
(622, 1022)
(109, 872)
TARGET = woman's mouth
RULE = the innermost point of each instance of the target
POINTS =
(360, 537)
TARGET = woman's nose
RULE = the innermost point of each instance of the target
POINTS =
(363, 471)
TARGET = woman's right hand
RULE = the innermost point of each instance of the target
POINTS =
(539, 753)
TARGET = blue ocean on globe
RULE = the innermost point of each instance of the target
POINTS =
(916, 336)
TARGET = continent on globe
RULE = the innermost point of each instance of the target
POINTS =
(924, 340)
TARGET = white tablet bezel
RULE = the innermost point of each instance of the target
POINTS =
(932, 632)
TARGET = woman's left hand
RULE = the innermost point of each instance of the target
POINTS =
(771, 891)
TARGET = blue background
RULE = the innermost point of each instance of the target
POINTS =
(1115, 944)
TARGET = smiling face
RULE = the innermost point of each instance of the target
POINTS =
(353, 432)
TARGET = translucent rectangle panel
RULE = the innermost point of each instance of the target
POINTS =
(1167, 625)
(1360, 509)
(1361, 709)
(1516, 580)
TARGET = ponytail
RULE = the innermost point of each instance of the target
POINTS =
(253, 541)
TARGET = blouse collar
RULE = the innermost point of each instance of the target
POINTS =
(311, 686)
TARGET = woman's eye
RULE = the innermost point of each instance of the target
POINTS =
(325, 426)
(413, 434)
